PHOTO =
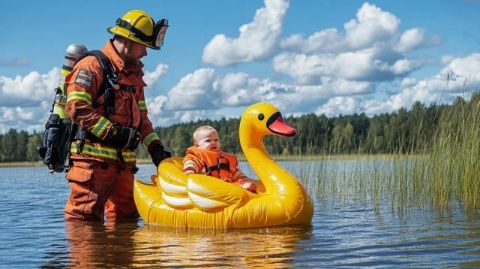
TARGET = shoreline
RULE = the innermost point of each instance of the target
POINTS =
(275, 157)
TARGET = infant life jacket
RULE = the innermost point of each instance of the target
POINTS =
(60, 131)
(217, 164)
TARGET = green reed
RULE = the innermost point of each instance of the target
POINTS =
(454, 161)
(447, 172)
(444, 174)
(397, 180)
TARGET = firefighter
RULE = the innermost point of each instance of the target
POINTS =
(112, 122)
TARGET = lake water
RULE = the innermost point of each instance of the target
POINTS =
(353, 233)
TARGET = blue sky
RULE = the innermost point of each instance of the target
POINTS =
(304, 56)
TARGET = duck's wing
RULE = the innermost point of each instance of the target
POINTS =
(203, 192)
(172, 183)
(212, 194)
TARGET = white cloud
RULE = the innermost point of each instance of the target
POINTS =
(151, 78)
(371, 49)
(325, 41)
(194, 91)
(371, 25)
(30, 118)
(25, 101)
(464, 67)
(460, 77)
(368, 65)
(410, 40)
(28, 90)
(338, 105)
(256, 40)
(205, 91)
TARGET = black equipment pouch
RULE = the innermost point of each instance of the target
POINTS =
(57, 139)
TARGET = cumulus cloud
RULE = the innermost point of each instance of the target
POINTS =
(30, 118)
(410, 40)
(460, 77)
(256, 39)
(371, 25)
(204, 89)
(339, 105)
(29, 90)
(25, 101)
(205, 92)
(365, 65)
(194, 91)
(370, 49)
(325, 41)
(151, 77)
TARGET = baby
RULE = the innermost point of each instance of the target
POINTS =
(205, 157)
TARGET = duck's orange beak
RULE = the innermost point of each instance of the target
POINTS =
(276, 124)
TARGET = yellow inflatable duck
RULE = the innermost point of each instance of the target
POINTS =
(199, 201)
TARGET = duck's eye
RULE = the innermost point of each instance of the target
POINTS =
(261, 116)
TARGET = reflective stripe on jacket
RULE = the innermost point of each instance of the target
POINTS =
(99, 151)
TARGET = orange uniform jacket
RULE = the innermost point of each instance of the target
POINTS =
(85, 105)
(198, 159)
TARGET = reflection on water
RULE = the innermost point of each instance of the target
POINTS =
(270, 248)
(93, 245)
(354, 233)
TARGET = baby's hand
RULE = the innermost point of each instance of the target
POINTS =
(250, 186)
(188, 172)
(226, 179)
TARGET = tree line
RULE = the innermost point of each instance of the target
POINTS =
(406, 131)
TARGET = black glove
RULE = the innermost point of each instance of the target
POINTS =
(123, 137)
(158, 154)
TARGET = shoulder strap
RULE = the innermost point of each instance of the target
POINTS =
(109, 80)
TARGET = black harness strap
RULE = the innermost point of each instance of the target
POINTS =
(218, 166)
(109, 80)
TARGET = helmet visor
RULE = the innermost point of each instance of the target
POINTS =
(159, 32)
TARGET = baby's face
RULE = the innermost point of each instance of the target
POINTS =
(209, 140)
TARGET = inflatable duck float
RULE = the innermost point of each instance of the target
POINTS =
(199, 201)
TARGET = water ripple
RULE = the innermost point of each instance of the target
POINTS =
(347, 233)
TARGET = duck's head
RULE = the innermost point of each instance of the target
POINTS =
(265, 119)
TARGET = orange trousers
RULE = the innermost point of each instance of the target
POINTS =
(99, 190)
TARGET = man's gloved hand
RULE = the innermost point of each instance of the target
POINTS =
(123, 137)
(158, 154)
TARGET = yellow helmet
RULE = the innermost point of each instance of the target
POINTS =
(138, 26)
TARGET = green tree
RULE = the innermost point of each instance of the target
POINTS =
(9, 146)
(21, 149)
(33, 143)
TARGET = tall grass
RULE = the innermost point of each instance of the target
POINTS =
(380, 179)
(447, 173)
(454, 162)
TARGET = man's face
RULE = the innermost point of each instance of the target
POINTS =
(134, 52)
(209, 140)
